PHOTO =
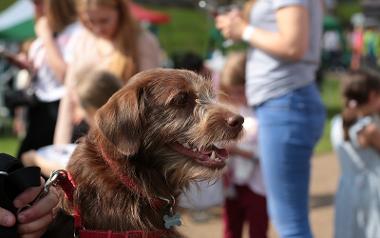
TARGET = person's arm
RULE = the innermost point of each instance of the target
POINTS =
(34, 221)
(32, 158)
(289, 42)
(67, 109)
(18, 121)
(54, 56)
(16, 60)
(64, 125)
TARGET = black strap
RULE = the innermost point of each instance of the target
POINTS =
(22, 179)
(14, 179)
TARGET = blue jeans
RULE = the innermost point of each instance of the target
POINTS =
(289, 128)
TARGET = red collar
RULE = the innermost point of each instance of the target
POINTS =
(129, 182)
(128, 234)
(65, 181)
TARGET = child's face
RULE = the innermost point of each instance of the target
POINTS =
(103, 21)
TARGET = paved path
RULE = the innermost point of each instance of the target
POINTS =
(325, 175)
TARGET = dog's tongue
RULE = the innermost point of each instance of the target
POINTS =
(203, 155)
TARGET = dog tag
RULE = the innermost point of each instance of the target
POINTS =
(171, 221)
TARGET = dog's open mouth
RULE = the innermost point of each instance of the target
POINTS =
(213, 156)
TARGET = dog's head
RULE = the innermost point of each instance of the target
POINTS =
(170, 119)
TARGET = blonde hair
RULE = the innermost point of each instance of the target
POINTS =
(233, 73)
(125, 60)
(94, 88)
(59, 13)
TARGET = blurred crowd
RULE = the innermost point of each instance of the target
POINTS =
(86, 50)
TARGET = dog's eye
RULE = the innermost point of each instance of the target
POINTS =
(181, 99)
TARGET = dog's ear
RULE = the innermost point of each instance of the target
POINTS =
(120, 120)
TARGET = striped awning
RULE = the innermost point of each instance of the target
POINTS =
(17, 21)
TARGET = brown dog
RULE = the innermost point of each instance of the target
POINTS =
(154, 136)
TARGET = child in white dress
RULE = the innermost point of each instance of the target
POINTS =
(358, 196)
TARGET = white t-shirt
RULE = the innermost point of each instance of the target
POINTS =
(47, 86)
(331, 41)
(269, 76)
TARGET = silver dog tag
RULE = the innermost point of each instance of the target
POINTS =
(173, 220)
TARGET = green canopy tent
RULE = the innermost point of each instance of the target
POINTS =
(16, 21)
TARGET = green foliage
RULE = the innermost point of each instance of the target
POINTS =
(188, 30)
(5, 3)
(344, 11)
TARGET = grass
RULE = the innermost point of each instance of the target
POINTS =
(188, 30)
(8, 144)
(331, 97)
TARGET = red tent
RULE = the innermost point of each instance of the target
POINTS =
(151, 16)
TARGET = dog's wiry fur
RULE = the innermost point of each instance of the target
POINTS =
(135, 130)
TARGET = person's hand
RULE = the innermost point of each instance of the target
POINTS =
(43, 29)
(231, 25)
(33, 221)
(7, 219)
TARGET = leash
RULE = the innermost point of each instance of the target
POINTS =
(63, 179)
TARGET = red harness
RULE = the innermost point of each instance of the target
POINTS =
(68, 185)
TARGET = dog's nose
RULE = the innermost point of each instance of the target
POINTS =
(235, 121)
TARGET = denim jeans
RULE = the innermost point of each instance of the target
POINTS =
(289, 128)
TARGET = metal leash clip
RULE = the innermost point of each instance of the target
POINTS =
(51, 181)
